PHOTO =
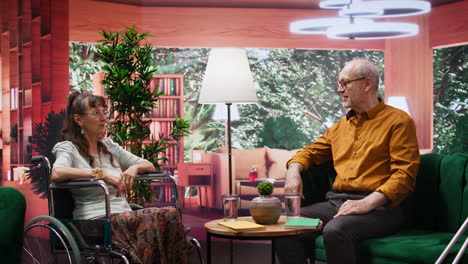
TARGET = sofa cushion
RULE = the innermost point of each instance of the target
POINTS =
(421, 208)
(245, 159)
(452, 184)
(276, 161)
(406, 246)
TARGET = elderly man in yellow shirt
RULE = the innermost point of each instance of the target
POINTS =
(375, 154)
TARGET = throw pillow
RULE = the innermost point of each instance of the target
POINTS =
(276, 160)
(245, 159)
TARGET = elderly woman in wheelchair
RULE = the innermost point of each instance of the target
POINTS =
(149, 235)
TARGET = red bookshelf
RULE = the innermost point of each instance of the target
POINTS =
(168, 107)
(29, 30)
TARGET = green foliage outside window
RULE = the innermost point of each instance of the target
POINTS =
(84, 63)
(451, 100)
(299, 84)
(281, 132)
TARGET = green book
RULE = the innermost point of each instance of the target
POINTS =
(302, 223)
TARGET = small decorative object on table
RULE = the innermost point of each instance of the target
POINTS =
(253, 174)
(265, 209)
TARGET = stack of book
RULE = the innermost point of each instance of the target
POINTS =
(242, 226)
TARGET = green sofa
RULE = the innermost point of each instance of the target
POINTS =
(435, 211)
(12, 210)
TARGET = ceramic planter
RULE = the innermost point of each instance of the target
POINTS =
(265, 209)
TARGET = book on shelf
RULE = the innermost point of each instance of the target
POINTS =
(302, 223)
(242, 226)
(173, 86)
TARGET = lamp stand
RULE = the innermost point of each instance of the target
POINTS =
(229, 145)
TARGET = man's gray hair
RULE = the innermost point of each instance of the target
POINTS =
(366, 68)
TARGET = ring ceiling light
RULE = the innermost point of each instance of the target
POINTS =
(333, 4)
(400, 8)
(361, 10)
(355, 27)
(321, 25)
(382, 30)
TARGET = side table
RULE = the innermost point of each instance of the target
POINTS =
(270, 233)
(195, 175)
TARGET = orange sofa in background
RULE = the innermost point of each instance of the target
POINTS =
(270, 164)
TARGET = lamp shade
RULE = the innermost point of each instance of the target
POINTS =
(228, 78)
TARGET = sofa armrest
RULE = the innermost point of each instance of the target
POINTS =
(12, 212)
(220, 184)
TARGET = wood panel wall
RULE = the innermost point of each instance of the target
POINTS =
(204, 27)
(34, 71)
(449, 25)
(409, 73)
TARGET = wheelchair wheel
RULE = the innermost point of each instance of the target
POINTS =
(47, 240)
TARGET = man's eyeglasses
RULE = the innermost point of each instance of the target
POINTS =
(104, 114)
(344, 84)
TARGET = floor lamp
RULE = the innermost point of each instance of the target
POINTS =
(220, 114)
(228, 80)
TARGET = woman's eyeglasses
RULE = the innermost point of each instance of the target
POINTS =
(104, 114)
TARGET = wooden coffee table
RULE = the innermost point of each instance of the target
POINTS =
(270, 233)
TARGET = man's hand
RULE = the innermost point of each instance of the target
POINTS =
(293, 179)
(362, 206)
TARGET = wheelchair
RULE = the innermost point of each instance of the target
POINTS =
(57, 238)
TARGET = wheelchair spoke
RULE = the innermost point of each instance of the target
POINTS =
(47, 241)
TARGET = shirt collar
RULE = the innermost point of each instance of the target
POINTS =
(371, 113)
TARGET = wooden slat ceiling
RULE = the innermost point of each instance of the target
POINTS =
(281, 4)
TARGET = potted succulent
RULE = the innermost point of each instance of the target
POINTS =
(265, 209)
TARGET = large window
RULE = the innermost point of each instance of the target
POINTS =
(451, 100)
(296, 91)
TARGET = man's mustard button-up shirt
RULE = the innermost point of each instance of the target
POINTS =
(373, 151)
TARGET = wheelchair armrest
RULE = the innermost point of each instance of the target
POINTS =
(157, 175)
(135, 206)
(82, 183)
(75, 183)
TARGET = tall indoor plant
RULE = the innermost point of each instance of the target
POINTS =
(128, 70)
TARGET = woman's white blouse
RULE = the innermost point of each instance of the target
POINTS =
(89, 202)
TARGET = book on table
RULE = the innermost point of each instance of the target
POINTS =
(242, 226)
(302, 223)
